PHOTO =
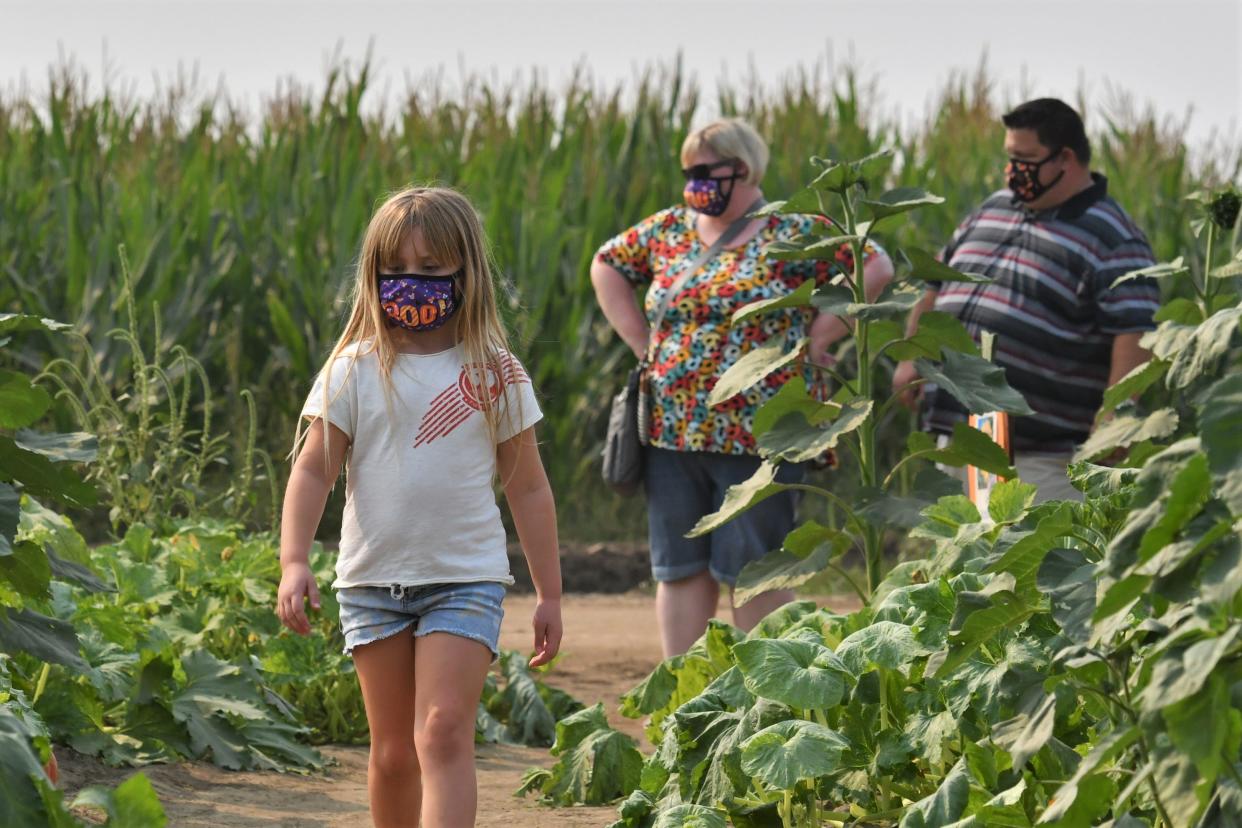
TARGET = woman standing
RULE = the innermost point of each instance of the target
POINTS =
(698, 451)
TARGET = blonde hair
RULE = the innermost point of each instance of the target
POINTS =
(453, 233)
(730, 138)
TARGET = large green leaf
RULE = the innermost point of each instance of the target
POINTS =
(944, 807)
(21, 401)
(804, 201)
(651, 694)
(795, 440)
(740, 497)
(927, 268)
(15, 322)
(1099, 481)
(1180, 787)
(1069, 581)
(1103, 751)
(802, 249)
(40, 477)
(530, 720)
(1132, 384)
(1193, 351)
(786, 568)
(1162, 271)
(974, 382)
(9, 513)
(840, 301)
(690, 816)
(1022, 551)
(884, 644)
(793, 396)
(937, 331)
(597, 764)
(799, 298)
(1127, 430)
(997, 611)
(899, 200)
(75, 447)
(1206, 727)
(906, 511)
(47, 639)
(788, 752)
(1220, 430)
(215, 686)
(753, 367)
(132, 804)
(971, 447)
(797, 673)
(27, 570)
(1027, 733)
(20, 803)
(1181, 672)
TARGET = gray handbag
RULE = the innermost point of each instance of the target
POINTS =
(628, 416)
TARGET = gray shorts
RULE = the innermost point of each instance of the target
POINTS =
(469, 610)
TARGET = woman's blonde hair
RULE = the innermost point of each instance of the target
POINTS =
(453, 233)
(730, 138)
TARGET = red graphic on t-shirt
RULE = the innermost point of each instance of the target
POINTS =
(454, 405)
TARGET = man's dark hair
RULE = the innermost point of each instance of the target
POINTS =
(1055, 122)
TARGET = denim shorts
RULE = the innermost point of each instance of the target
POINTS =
(683, 486)
(470, 610)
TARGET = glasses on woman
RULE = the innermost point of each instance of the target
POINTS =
(701, 171)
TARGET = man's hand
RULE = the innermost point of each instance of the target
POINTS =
(905, 384)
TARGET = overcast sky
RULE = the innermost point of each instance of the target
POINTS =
(1181, 57)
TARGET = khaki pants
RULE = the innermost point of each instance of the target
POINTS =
(1046, 470)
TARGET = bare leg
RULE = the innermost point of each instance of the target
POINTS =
(752, 612)
(683, 608)
(450, 671)
(386, 673)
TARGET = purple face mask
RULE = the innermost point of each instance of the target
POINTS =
(417, 302)
(706, 193)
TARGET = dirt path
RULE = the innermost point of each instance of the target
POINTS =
(610, 644)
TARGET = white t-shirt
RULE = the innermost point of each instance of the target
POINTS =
(420, 507)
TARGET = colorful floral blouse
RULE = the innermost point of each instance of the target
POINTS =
(696, 343)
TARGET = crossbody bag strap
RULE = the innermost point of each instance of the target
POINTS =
(730, 233)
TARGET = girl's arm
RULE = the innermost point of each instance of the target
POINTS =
(534, 515)
(310, 481)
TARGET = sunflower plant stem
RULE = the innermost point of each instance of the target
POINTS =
(1207, 270)
(872, 549)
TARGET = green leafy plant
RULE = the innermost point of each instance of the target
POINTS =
(1067, 664)
(36, 545)
(153, 459)
(794, 427)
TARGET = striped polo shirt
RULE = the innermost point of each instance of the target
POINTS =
(1052, 305)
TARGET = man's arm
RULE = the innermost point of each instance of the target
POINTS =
(1127, 355)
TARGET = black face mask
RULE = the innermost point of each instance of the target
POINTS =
(1023, 178)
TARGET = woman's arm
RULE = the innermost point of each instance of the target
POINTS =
(310, 482)
(534, 516)
(828, 328)
(615, 295)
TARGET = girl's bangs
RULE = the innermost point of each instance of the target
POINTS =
(395, 225)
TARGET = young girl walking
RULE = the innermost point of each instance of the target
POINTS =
(422, 396)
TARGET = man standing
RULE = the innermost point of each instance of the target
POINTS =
(1051, 245)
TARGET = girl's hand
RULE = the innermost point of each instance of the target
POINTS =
(548, 630)
(296, 584)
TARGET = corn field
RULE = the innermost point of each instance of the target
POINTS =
(241, 228)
